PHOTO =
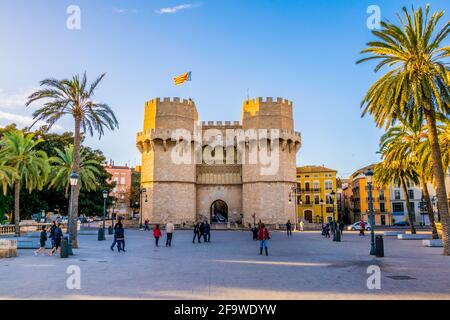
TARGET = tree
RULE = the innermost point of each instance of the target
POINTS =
(62, 168)
(30, 165)
(417, 82)
(73, 98)
(404, 141)
(400, 172)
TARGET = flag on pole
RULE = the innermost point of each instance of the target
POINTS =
(183, 78)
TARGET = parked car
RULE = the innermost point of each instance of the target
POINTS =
(401, 224)
(356, 226)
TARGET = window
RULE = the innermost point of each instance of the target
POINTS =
(316, 200)
(307, 186)
(382, 207)
(122, 180)
(397, 194)
(411, 194)
(381, 193)
(329, 209)
(308, 199)
(328, 185)
(316, 185)
(397, 207)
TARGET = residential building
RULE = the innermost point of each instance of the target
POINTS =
(360, 199)
(315, 185)
(121, 177)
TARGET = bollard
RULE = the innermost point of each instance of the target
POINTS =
(64, 247)
(379, 246)
(101, 234)
(110, 230)
(337, 235)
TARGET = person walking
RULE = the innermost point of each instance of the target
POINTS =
(196, 233)
(341, 227)
(207, 235)
(362, 228)
(327, 230)
(157, 234)
(146, 226)
(263, 237)
(116, 231)
(255, 233)
(170, 228)
(58, 234)
(42, 240)
(302, 225)
(52, 233)
(202, 230)
(289, 228)
(119, 233)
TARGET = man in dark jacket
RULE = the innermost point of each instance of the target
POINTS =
(289, 228)
(207, 235)
(196, 233)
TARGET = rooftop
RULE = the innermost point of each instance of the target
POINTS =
(314, 169)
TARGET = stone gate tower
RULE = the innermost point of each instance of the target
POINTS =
(239, 191)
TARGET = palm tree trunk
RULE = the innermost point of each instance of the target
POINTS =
(408, 207)
(75, 168)
(426, 195)
(17, 207)
(439, 176)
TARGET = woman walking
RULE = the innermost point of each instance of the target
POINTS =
(263, 237)
(157, 234)
(42, 240)
(196, 233)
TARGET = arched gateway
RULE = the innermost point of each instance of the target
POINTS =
(219, 212)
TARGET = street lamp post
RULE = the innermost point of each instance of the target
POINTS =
(113, 202)
(369, 175)
(337, 232)
(321, 211)
(101, 231)
(141, 192)
(294, 193)
(73, 183)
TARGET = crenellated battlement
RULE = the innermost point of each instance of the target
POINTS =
(220, 124)
(269, 100)
(166, 101)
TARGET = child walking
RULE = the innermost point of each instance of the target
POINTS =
(43, 240)
(157, 234)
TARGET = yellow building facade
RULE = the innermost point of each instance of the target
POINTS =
(380, 196)
(315, 188)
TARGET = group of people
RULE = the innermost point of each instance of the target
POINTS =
(157, 234)
(202, 230)
(332, 226)
(55, 236)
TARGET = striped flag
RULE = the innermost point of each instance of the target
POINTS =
(183, 78)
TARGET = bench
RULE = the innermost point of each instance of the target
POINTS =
(8, 248)
(409, 236)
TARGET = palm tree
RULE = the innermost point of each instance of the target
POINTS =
(74, 98)
(417, 82)
(62, 169)
(405, 142)
(399, 172)
(7, 174)
(30, 165)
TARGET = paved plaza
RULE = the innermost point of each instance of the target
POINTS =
(305, 266)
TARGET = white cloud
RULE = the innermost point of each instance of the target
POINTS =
(12, 100)
(172, 10)
(124, 10)
(24, 121)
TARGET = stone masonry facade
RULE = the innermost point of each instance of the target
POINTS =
(218, 166)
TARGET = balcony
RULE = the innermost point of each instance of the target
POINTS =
(310, 190)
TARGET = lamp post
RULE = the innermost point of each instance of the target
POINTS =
(141, 191)
(101, 231)
(113, 202)
(369, 175)
(294, 193)
(337, 232)
(321, 210)
(73, 183)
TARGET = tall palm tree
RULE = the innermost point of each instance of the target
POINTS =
(417, 81)
(400, 172)
(30, 165)
(62, 169)
(405, 141)
(74, 98)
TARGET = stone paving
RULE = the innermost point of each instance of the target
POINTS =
(305, 266)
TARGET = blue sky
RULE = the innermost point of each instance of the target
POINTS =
(304, 51)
